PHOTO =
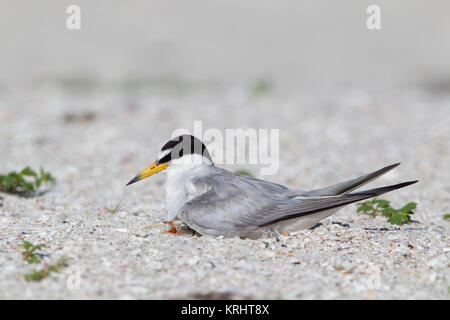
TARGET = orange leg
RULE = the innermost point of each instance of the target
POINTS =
(173, 229)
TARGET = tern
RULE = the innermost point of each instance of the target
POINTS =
(217, 202)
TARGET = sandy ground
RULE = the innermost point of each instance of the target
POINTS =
(325, 137)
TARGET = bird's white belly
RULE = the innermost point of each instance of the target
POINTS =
(293, 226)
(305, 222)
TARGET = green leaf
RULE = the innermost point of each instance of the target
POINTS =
(408, 207)
(27, 244)
(38, 246)
(34, 259)
(446, 216)
(397, 218)
(382, 203)
(29, 187)
(10, 181)
(17, 184)
(388, 212)
(28, 172)
(379, 206)
(365, 207)
(261, 87)
(37, 275)
(46, 177)
(406, 217)
(53, 269)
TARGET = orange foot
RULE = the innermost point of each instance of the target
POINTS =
(173, 229)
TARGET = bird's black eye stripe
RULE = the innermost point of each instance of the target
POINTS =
(166, 158)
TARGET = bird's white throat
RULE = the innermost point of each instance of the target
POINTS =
(187, 163)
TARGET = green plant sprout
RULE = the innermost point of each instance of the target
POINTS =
(116, 208)
(26, 182)
(32, 257)
(38, 275)
(446, 216)
(262, 87)
(29, 254)
(395, 216)
(86, 116)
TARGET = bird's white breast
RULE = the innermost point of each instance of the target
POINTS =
(179, 184)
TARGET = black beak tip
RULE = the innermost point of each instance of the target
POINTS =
(135, 179)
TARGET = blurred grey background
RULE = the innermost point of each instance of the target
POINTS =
(94, 107)
(297, 44)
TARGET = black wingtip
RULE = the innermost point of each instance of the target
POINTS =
(392, 166)
(385, 169)
(404, 184)
(340, 201)
(379, 191)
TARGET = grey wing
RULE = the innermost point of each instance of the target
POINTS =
(234, 204)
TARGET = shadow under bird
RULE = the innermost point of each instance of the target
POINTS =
(214, 201)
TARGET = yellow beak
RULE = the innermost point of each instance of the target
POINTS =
(151, 170)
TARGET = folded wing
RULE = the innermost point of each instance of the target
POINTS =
(234, 204)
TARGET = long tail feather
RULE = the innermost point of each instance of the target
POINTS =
(313, 205)
(350, 185)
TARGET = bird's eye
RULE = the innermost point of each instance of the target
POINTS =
(166, 158)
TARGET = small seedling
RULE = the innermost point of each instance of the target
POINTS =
(245, 173)
(446, 216)
(26, 182)
(115, 208)
(395, 216)
(30, 255)
(87, 116)
(262, 87)
(38, 275)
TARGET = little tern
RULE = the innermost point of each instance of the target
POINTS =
(217, 202)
